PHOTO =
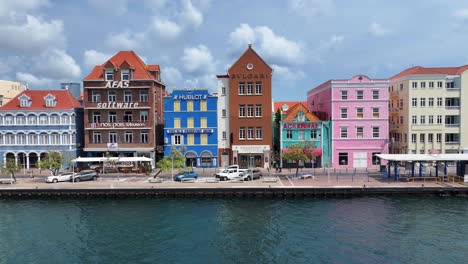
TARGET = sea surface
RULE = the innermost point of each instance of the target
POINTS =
(349, 230)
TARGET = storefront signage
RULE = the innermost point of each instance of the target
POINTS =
(190, 97)
(117, 105)
(301, 125)
(117, 84)
(190, 130)
(249, 76)
(117, 125)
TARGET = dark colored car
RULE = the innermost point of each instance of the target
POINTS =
(185, 175)
(85, 175)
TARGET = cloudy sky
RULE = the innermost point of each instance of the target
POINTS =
(306, 42)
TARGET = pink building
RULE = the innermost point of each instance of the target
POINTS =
(358, 109)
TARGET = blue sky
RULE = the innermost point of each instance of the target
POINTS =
(44, 42)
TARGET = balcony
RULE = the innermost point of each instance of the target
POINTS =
(119, 125)
(117, 105)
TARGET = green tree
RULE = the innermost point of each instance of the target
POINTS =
(52, 161)
(299, 152)
(277, 117)
(11, 168)
(175, 155)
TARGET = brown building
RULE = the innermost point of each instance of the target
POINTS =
(245, 112)
(123, 108)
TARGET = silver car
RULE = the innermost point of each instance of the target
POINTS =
(85, 175)
(62, 177)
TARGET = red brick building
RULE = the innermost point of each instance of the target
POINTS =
(245, 112)
(123, 108)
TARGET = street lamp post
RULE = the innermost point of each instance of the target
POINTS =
(172, 172)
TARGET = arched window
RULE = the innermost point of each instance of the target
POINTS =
(44, 139)
(54, 120)
(65, 119)
(43, 120)
(32, 138)
(55, 139)
(32, 119)
(21, 139)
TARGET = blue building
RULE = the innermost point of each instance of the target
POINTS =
(37, 122)
(190, 124)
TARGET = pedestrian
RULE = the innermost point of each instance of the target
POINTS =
(276, 166)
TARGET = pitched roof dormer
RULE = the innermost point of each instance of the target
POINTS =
(50, 101)
(24, 100)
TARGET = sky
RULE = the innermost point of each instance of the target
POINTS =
(306, 42)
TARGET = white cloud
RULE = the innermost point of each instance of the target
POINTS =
(124, 41)
(166, 29)
(171, 76)
(198, 60)
(34, 82)
(113, 7)
(275, 48)
(286, 73)
(312, 8)
(334, 41)
(462, 13)
(93, 58)
(34, 35)
(207, 81)
(378, 30)
(9, 7)
(56, 64)
(191, 15)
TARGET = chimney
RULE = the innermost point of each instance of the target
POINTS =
(250, 45)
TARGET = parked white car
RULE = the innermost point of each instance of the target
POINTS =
(64, 176)
(229, 173)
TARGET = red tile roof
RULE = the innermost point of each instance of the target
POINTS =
(65, 100)
(418, 70)
(292, 113)
(123, 58)
(279, 105)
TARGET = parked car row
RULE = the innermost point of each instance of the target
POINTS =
(84, 175)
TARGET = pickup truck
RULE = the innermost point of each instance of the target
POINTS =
(229, 173)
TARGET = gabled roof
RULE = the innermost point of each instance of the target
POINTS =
(279, 105)
(64, 99)
(418, 70)
(249, 50)
(292, 113)
(124, 58)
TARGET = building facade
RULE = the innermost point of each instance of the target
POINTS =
(123, 108)
(9, 90)
(426, 110)
(191, 126)
(244, 112)
(358, 111)
(37, 122)
(299, 126)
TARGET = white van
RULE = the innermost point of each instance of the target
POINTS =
(229, 173)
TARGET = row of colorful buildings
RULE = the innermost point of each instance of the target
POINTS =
(125, 110)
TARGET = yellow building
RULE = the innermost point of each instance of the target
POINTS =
(426, 110)
(9, 89)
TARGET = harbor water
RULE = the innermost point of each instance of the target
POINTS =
(353, 230)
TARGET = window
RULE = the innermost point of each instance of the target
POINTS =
(177, 140)
(449, 84)
(10, 139)
(414, 120)
(400, 103)
(375, 94)
(439, 84)
(223, 90)
(112, 117)
(413, 138)
(242, 133)
(203, 139)
(313, 134)
(375, 112)
(359, 132)
(241, 88)
(128, 96)
(250, 111)
(203, 105)
(128, 116)
(24, 102)
(176, 122)
(223, 113)
(375, 132)
(125, 75)
(203, 122)
(144, 115)
(176, 106)
(422, 138)
(431, 84)
(289, 134)
(42, 120)
(439, 119)
(144, 137)
(401, 87)
(423, 85)
(414, 85)
(360, 112)
(343, 132)
(249, 88)
(375, 158)
(414, 102)
(112, 137)
(21, 119)
(300, 116)
(452, 138)
(128, 137)
(32, 119)
(258, 88)
(55, 139)
(95, 96)
(360, 95)
(300, 135)
(54, 119)
(401, 120)
(258, 110)
(190, 122)
(96, 117)
(431, 119)
(344, 112)
(344, 95)
(439, 101)
(32, 138)
(111, 96)
(250, 133)
(258, 133)
(97, 137)
(439, 137)
(343, 158)
(190, 106)
(430, 137)
(431, 102)
(422, 120)
(241, 110)
(143, 95)
(422, 102)
(21, 139)
(224, 135)
(109, 75)
(190, 139)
